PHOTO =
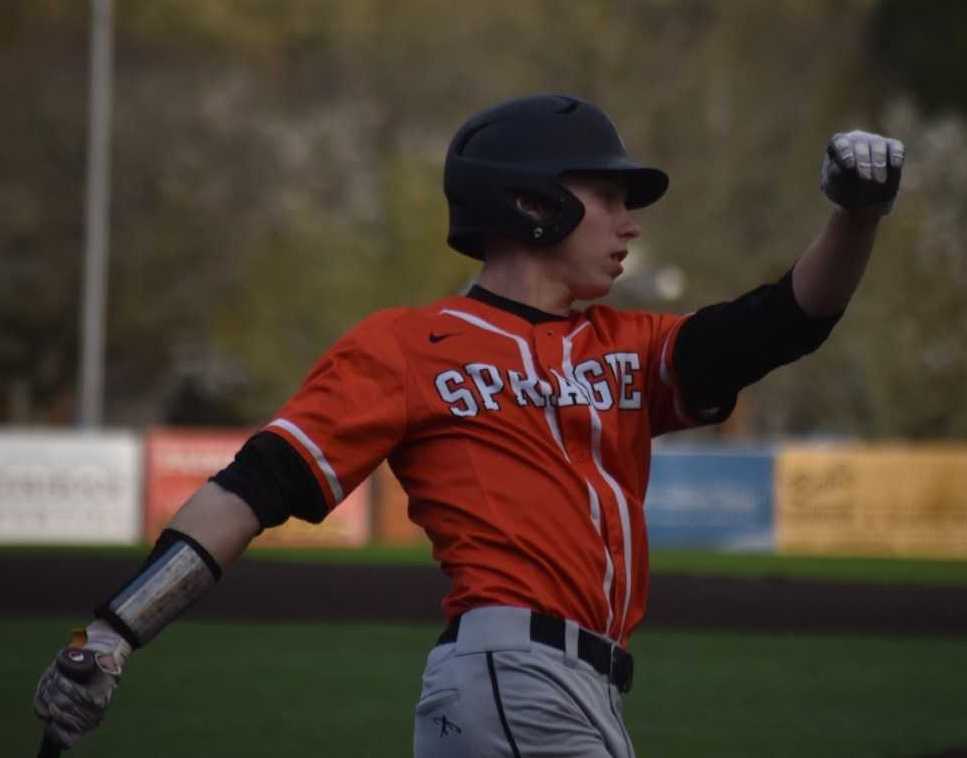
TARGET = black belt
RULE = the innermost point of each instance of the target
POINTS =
(604, 657)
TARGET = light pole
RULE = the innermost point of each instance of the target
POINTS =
(96, 222)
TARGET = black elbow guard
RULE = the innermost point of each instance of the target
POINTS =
(725, 347)
(274, 481)
(798, 333)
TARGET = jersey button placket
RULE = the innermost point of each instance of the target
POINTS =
(549, 353)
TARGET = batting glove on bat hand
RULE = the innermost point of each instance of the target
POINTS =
(70, 707)
(862, 170)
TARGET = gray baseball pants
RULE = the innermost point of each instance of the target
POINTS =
(493, 693)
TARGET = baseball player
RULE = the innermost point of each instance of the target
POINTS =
(520, 428)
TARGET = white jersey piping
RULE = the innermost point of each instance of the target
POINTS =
(317, 455)
(612, 483)
(528, 360)
(608, 563)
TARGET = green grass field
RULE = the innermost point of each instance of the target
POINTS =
(208, 689)
(348, 690)
(873, 570)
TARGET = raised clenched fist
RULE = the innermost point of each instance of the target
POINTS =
(862, 170)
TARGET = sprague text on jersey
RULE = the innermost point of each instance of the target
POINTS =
(586, 383)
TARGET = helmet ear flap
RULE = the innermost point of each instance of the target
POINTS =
(554, 215)
(485, 202)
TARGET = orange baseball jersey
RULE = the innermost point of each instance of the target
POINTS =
(523, 444)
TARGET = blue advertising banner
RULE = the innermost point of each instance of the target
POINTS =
(711, 498)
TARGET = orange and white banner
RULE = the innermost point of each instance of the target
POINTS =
(179, 461)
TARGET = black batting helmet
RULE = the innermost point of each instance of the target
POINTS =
(524, 146)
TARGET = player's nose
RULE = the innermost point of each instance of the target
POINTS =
(628, 226)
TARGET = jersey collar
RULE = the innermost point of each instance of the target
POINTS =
(526, 312)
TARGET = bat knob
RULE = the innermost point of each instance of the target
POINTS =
(77, 664)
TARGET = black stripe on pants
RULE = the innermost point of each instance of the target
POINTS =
(500, 705)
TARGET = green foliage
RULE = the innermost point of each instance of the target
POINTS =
(923, 45)
(321, 273)
(277, 176)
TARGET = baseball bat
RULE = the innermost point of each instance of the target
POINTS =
(78, 665)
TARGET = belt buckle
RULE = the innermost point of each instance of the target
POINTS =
(622, 669)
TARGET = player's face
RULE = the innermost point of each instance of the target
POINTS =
(589, 259)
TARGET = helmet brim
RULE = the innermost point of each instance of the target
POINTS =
(645, 185)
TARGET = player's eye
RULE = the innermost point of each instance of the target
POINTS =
(612, 194)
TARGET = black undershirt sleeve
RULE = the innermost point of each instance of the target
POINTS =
(725, 347)
(274, 480)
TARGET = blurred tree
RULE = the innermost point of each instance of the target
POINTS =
(42, 152)
(914, 351)
(923, 44)
(277, 177)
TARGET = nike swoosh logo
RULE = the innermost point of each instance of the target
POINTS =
(434, 338)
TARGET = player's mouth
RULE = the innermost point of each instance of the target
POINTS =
(616, 257)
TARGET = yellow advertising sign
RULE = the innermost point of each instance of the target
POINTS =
(893, 499)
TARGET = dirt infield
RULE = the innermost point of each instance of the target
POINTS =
(38, 584)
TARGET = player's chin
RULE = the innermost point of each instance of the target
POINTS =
(596, 288)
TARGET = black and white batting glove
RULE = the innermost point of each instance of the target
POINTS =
(862, 170)
(70, 707)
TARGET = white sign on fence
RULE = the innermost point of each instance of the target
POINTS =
(70, 487)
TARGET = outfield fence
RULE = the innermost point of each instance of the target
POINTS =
(121, 487)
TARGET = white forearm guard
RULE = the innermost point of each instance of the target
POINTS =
(177, 573)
